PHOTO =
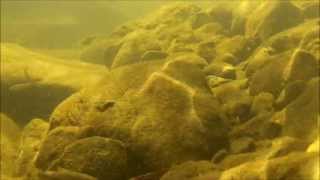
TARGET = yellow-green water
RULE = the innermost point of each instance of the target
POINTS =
(160, 90)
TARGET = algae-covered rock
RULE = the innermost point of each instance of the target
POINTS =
(222, 14)
(250, 170)
(191, 170)
(186, 72)
(310, 41)
(101, 52)
(239, 46)
(285, 145)
(10, 136)
(302, 66)
(207, 50)
(184, 132)
(54, 144)
(75, 110)
(263, 102)
(209, 29)
(294, 165)
(31, 139)
(99, 157)
(270, 78)
(200, 19)
(303, 110)
(272, 17)
(242, 145)
(290, 93)
(255, 127)
(311, 9)
(135, 44)
(153, 55)
(293, 37)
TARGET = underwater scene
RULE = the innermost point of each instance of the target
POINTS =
(160, 90)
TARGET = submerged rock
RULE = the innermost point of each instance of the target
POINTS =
(191, 170)
(10, 136)
(31, 139)
(54, 144)
(99, 157)
(272, 17)
(303, 110)
(295, 165)
(302, 66)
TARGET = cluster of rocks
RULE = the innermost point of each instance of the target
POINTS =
(229, 93)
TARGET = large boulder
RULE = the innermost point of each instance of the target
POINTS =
(75, 110)
(186, 134)
(166, 117)
(271, 18)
